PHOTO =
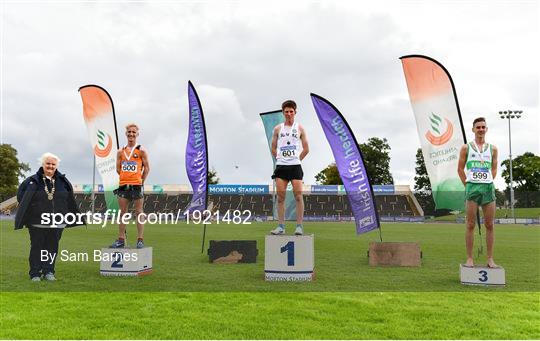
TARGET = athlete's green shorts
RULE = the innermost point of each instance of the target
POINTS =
(481, 194)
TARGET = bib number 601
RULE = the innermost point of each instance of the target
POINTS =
(287, 153)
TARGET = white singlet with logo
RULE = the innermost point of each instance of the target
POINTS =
(288, 145)
(479, 163)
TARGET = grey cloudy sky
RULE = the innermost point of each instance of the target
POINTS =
(246, 58)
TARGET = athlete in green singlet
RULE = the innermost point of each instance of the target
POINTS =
(477, 168)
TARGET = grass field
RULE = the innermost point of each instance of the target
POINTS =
(186, 297)
(533, 212)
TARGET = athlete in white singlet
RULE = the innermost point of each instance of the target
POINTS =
(479, 159)
(289, 147)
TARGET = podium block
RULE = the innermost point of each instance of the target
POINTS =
(394, 254)
(126, 262)
(482, 275)
(289, 258)
(233, 251)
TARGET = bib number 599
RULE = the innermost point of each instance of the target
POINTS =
(479, 175)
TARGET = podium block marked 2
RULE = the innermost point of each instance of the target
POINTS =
(289, 258)
(482, 275)
(126, 262)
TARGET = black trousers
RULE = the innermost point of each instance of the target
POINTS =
(45, 239)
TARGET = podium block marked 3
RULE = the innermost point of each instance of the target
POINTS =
(482, 275)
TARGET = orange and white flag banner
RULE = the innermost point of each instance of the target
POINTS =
(440, 128)
(98, 112)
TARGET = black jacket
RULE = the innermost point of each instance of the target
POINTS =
(33, 199)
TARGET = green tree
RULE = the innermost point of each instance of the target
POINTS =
(10, 171)
(329, 176)
(421, 179)
(376, 154)
(422, 186)
(500, 198)
(526, 178)
(212, 177)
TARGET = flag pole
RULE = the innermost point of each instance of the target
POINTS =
(203, 238)
(202, 213)
(93, 185)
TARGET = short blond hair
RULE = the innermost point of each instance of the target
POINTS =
(47, 155)
(129, 125)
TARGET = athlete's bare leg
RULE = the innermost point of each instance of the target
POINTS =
(281, 188)
(297, 191)
(123, 204)
(489, 217)
(139, 210)
(470, 207)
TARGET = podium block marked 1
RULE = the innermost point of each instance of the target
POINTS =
(482, 275)
(126, 262)
(289, 258)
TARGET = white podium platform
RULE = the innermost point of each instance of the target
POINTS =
(126, 262)
(289, 258)
(482, 275)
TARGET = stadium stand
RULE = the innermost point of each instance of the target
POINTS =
(317, 205)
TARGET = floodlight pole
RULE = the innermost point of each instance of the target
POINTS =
(511, 176)
(509, 114)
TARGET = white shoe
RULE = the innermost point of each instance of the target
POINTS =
(50, 277)
(36, 279)
(278, 230)
(299, 231)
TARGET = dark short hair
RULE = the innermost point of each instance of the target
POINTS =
(478, 119)
(288, 104)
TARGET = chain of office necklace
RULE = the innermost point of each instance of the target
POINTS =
(50, 194)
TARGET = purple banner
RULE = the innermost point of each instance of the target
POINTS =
(196, 153)
(349, 163)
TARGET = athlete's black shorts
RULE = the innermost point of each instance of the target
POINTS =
(288, 172)
(130, 192)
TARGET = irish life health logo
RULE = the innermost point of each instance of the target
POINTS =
(435, 135)
(104, 144)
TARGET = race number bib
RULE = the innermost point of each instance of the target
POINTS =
(129, 166)
(288, 151)
(480, 175)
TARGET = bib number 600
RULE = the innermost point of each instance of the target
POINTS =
(129, 167)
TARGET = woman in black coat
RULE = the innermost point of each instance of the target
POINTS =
(47, 191)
